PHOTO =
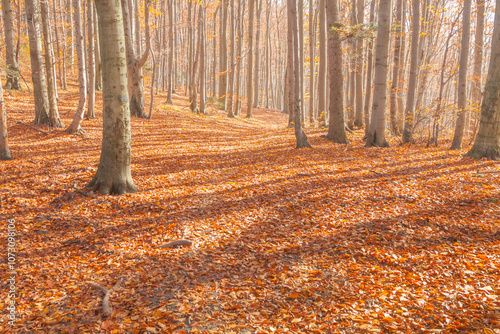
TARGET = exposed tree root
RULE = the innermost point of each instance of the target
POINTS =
(176, 243)
(106, 308)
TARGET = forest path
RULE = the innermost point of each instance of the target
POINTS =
(335, 238)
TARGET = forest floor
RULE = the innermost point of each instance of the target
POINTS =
(334, 239)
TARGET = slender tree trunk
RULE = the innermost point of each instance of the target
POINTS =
(49, 67)
(202, 74)
(91, 59)
(256, 71)
(97, 54)
(462, 79)
(239, 56)
(358, 121)
(13, 74)
(42, 110)
(351, 105)
(478, 62)
(251, 14)
(369, 74)
(376, 134)
(396, 68)
(412, 80)
(312, 61)
(487, 143)
(4, 138)
(336, 124)
(230, 94)
(170, 52)
(294, 77)
(193, 91)
(322, 62)
(75, 126)
(223, 54)
(113, 174)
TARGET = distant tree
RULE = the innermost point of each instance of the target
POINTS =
(487, 143)
(13, 74)
(223, 78)
(336, 125)
(322, 62)
(113, 176)
(232, 63)
(202, 58)
(251, 14)
(91, 60)
(396, 68)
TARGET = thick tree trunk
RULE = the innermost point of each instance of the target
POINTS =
(42, 110)
(13, 74)
(49, 67)
(113, 174)
(336, 124)
(75, 126)
(487, 142)
(412, 80)
(376, 134)
(462, 79)
(4, 138)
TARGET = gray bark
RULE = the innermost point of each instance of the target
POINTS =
(13, 74)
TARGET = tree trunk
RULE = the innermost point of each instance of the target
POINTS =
(49, 67)
(202, 43)
(312, 61)
(487, 143)
(4, 138)
(358, 121)
(336, 124)
(294, 69)
(376, 134)
(251, 14)
(13, 74)
(170, 52)
(239, 56)
(134, 65)
(478, 62)
(322, 62)
(91, 59)
(369, 74)
(230, 94)
(223, 54)
(113, 174)
(396, 68)
(75, 126)
(412, 80)
(42, 110)
(256, 71)
(462, 79)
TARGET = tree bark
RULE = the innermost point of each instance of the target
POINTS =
(312, 61)
(91, 59)
(113, 176)
(322, 62)
(358, 121)
(336, 124)
(13, 74)
(4, 138)
(376, 134)
(251, 14)
(256, 71)
(230, 94)
(42, 110)
(462, 79)
(170, 89)
(369, 74)
(396, 68)
(487, 143)
(223, 54)
(294, 69)
(202, 46)
(412, 80)
(75, 126)
(49, 67)
(478, 61)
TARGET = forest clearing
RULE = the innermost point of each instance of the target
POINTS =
(334, 239)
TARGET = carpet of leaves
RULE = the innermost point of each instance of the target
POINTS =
(334, 239)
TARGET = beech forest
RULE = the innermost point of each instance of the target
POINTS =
(250, 166)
